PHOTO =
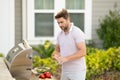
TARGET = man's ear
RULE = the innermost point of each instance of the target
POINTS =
(68, 19)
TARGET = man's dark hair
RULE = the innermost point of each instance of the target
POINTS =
(63, 13)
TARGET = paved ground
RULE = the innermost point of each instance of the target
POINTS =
(4, 72)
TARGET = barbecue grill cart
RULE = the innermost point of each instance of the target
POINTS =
(19, 61)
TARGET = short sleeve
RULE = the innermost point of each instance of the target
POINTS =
(79, 36)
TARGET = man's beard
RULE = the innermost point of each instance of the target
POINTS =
(65, 28)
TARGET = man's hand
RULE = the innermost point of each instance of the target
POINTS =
(55, 56)
(60, 59)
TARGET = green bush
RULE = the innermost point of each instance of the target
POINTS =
(44, 50)
(99, 61)
(1, 55)
(91, 50)
(45, 62)
(102, 61)
(116, 59)
(109, 31)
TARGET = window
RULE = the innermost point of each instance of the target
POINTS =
(75, 4)
(41, 24)
(44, 24)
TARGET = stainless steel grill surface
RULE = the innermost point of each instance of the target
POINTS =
(19, 61)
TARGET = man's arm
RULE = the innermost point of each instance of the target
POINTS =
(56, 52)
(80, 53)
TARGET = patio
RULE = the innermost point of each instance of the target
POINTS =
(6, 75)
(4, 72)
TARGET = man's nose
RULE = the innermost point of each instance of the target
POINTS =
(60, 24)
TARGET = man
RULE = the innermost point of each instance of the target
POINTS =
(70, 49)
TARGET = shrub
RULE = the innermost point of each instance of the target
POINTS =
(44, 50)
(99, 62)
(91, 50)
(102, 61)
(45, 62)
(1, 55)
(109, 31)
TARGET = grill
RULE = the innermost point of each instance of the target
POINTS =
(19, 61)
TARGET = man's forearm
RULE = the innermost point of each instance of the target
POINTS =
(76, 55)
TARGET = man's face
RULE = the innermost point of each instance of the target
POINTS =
(63, 23)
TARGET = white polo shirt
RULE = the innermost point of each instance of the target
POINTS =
(67, 43)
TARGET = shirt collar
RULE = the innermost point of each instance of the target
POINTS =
(71, 27)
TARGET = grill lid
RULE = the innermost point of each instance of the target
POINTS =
(19, 61)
